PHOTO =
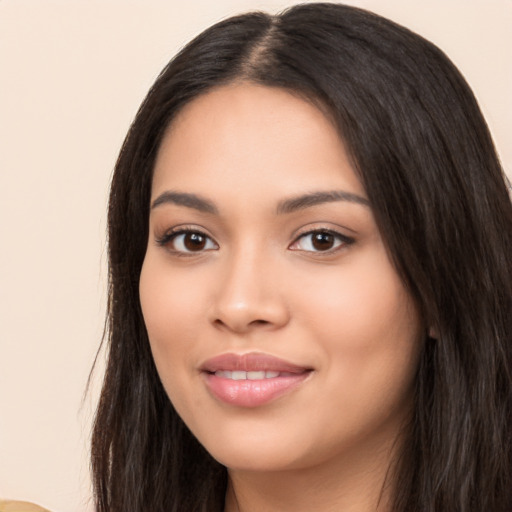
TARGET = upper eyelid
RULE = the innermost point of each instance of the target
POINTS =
(344, 242)
(174, 232)
(333, 226)
(170, 235)
(184, 229)
(322, 228)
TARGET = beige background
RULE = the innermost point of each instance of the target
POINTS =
(72, 74)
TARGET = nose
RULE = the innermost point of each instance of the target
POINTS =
(249, 296)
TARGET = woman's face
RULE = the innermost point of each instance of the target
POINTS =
(279, 327)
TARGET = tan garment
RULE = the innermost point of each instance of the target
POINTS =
(20, 506)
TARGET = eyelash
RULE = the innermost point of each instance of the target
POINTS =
(173, 234)
(343, 240)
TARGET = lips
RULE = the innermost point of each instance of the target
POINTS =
(251, 380)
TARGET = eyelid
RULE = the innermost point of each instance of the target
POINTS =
(171, 234)
(344, 239)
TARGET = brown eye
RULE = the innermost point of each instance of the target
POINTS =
(321, 241)
(194, 241)
(188, 241)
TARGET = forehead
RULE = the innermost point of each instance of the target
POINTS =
(254, 135)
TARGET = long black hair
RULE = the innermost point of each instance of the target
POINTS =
(424, 154)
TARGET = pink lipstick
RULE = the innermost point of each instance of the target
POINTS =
(251, 380)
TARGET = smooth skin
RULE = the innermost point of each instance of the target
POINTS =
(238, 266)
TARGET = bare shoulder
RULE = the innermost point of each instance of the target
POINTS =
(20, 506)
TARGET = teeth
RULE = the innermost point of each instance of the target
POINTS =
(255, 375)
(241, 375)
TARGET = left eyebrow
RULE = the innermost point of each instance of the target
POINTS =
(184, 199)
(315, 198)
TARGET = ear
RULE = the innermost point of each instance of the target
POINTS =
(433, 333)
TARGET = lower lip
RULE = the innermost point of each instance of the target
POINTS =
(252, 393)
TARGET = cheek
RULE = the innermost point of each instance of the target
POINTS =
(169, 299)
(171, 309)
(365, 322)
(361, 300)
(171, 306)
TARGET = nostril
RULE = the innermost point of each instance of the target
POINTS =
(254, 323)
(259, 322)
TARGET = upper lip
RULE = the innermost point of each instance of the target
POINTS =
(250, 362)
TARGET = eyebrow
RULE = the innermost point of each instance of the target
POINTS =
(185, 199)
(293, 204)
(315, 198)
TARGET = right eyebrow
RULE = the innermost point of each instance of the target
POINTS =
(314, 198)
(185, 199)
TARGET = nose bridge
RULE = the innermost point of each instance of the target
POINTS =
(248, 292)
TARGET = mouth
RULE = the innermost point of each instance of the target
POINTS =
(251, 380)
(251, 375)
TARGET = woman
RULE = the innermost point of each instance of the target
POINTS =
(310, 282)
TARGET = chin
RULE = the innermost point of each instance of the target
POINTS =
(254, 449)
(257, 462)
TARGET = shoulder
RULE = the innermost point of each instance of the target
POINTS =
(20, 506)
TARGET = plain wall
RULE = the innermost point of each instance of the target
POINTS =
(72, 74)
